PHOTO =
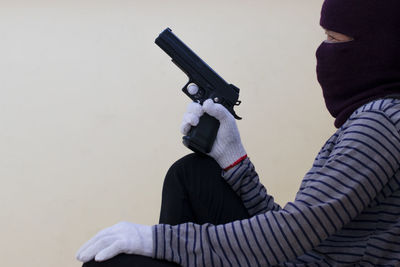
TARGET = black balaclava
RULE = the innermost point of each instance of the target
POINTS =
(366, 68)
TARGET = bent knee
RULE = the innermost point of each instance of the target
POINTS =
(192, 167)
(196, 160)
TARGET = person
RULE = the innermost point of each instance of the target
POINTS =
(215, 211)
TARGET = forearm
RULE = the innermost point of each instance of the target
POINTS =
(263, 240)
(245, 182)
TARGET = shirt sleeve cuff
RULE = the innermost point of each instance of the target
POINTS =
(236, 163)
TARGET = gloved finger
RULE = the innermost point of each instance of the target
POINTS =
(192, 88)
(185, 128)
(89, 253)
(94, 239)
(195, 108)
(114, 249)
(87, 244)
(189, 120)
(216, 110)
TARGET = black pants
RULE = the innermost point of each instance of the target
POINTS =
(193, 191)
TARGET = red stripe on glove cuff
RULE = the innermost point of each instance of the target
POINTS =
(236, 163)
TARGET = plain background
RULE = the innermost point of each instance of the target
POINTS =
(90, 109)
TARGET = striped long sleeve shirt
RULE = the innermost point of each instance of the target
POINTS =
(346, 212)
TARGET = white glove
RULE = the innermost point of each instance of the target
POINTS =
(227, 148)
(123, 237)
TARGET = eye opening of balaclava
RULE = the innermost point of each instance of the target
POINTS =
(337, 36)
(355, 72)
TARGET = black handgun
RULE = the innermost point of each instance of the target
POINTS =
(211, 86)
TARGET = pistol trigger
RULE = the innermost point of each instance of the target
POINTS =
(238, 103)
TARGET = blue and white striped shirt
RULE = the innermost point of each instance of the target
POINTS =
(346, 212)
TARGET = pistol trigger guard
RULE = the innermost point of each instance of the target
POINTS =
(235, 115)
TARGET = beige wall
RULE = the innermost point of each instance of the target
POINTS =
(90, 109)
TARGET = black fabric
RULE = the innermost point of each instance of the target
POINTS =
(193, 191)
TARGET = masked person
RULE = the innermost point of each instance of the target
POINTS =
(215, 211)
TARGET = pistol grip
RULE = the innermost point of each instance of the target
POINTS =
(201, 138)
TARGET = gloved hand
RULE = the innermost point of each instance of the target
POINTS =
(123, 237)
(227, 149)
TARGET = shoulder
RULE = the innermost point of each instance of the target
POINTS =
(381, 115)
